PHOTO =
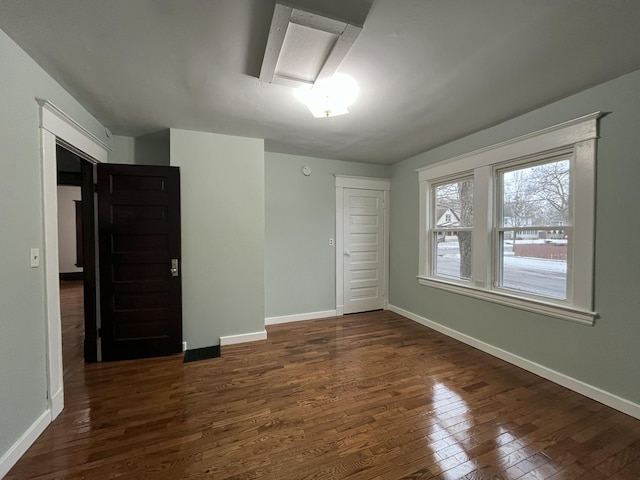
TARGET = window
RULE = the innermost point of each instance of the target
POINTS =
(452, 240)
(532, 255)
(513, 223)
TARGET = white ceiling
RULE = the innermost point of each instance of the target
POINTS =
(429, 71)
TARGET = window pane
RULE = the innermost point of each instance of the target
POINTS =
(449, 261)
(537, 195)
(454, 204)
(535, 262)
(454, 210)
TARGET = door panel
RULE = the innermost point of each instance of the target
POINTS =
(139, 235)
(363, 250)
(90, 286)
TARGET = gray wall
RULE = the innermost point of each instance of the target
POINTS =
(149, 149)
(222, 205)
(123, 150)
(605, 355)
(153, 148)
(300, 218)
(23, 383)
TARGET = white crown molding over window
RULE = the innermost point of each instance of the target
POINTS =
(557, 136)
(577, 138)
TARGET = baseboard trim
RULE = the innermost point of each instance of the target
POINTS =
(57, 404)
(11, 457)
(243, 338)
(299, 317)
(595, 393)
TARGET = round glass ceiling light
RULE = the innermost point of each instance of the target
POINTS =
(329, 97)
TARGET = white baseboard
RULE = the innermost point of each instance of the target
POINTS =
(299, 317)
(243, 338)
(602, 396)
(57, 404)
(11, 457)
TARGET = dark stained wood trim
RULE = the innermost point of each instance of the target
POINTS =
(79, 228)
(71, 276)
(70, 179)
(89, 263)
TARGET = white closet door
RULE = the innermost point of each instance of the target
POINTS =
(363, 250)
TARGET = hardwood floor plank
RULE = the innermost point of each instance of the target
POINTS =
(362, 397)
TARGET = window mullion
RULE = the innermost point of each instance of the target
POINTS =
(482, 219)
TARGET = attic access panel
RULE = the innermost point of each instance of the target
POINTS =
(304, 47)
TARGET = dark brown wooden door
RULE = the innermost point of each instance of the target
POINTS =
(139, 236)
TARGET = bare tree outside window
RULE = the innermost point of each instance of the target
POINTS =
(453, 258)
(533, 255)
(551, 190)
(537, 195)
(465, 193)
(513, 223)
(534, 198)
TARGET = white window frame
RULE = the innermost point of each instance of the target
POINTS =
(577, 136)
(547, 157)
(433, 228)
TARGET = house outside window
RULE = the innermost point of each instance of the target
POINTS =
(514, 223)
(452, 257)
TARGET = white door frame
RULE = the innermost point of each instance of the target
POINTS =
(363, 183)
(54, 125)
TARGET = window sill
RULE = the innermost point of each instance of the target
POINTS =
(563, 312)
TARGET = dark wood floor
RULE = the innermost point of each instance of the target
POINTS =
(369, 396)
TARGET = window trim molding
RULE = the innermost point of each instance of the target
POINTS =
(580, 136)
(550, 138)
(563, 312)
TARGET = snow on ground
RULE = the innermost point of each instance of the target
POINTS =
(540, 276)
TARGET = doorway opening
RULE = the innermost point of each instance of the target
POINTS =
(76, 257)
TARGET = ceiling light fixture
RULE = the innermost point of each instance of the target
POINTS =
(329, 97)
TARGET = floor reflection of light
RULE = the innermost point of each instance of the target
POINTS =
(450, 444)
(451, 440)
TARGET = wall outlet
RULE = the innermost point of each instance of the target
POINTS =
(331, 242)
(184, 346)
(34, 258)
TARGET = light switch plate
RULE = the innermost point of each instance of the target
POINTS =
(35, 257)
